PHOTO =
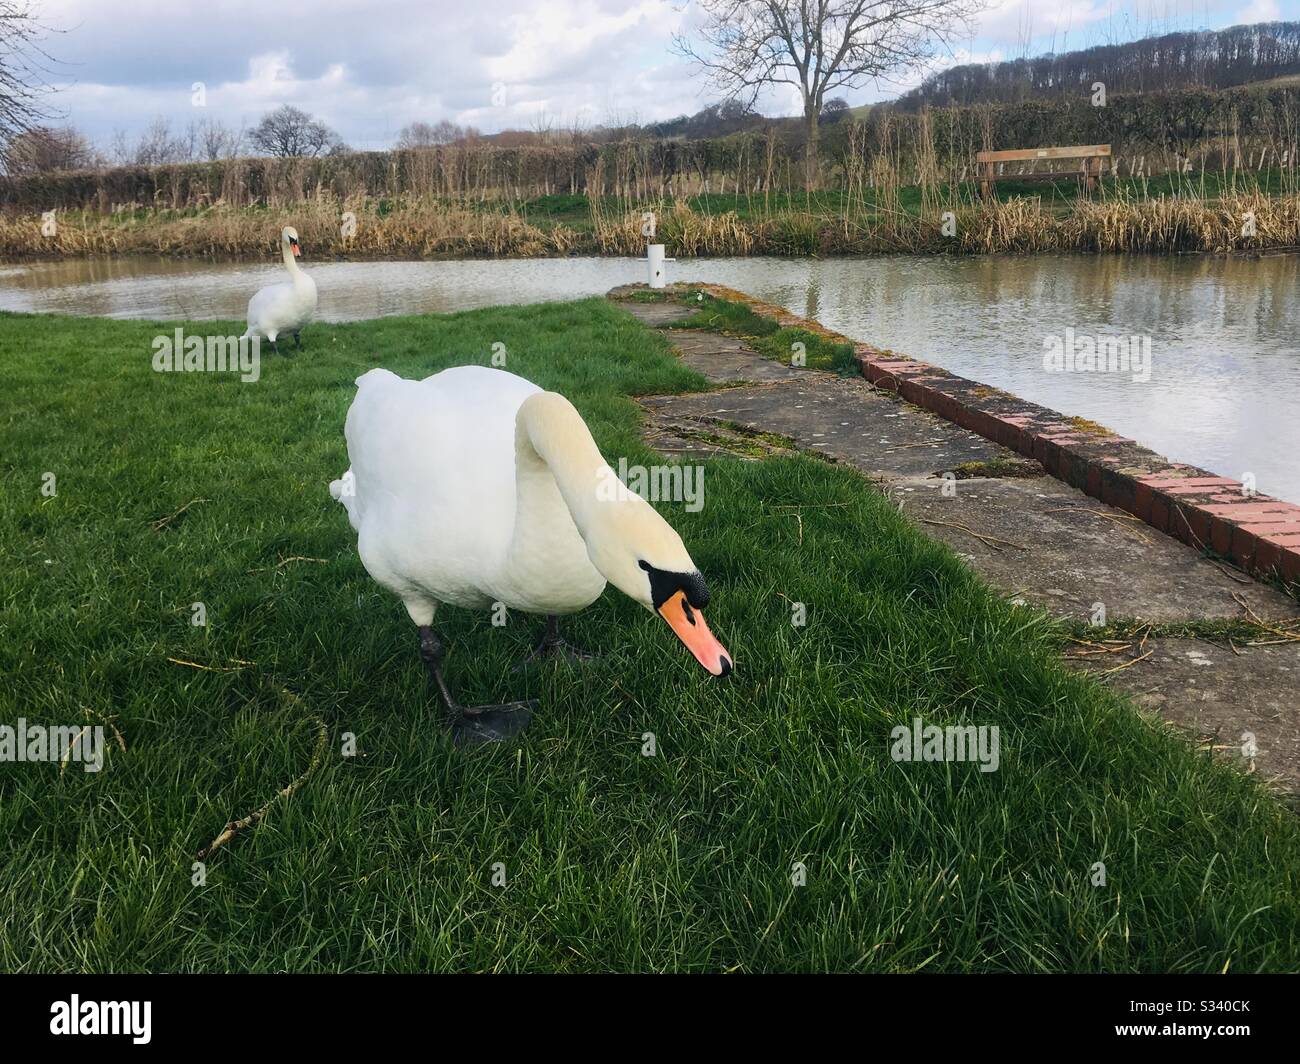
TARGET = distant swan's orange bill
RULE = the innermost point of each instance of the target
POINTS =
(689, 625)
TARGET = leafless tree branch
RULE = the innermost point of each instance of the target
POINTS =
(25, 68)
(816, 46)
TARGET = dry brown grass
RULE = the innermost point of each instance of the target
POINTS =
(1176, 224)
(406, 228)
(427, 228)
(1022, 225)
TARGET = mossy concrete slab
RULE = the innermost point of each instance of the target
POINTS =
(724, 359)
(657, 314)
(843, 418)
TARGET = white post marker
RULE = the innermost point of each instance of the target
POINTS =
(655, 257)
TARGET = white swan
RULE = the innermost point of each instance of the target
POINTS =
(287, 307)
(473, 487)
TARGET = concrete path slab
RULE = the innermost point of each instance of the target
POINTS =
(1053, 546)
(844, 418)
(657, 314)
(725, 359)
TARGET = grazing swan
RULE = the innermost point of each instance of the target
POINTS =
(474, 487)
(284, 308)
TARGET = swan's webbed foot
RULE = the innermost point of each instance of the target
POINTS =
(472, 725)
(553, 645)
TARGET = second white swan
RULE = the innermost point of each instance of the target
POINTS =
(284, 308)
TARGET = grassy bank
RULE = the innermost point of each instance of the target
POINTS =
(1168, 215)
(763, 334)
(181, 488)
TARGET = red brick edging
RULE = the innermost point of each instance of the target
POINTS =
(1259, 533)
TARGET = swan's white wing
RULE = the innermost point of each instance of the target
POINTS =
(264, 313)
(433, 471)
(282, 308)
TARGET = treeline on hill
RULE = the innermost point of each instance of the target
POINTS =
(1216, 59)
(1151, 133)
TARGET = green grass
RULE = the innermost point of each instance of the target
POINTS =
(614, 861)
(766, 336)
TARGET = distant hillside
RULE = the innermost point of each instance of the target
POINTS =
(1217, 59)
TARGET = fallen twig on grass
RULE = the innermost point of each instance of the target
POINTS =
(809, 506)
(112, 727)
(67, 754)
(285, 561)
(812, 506)
(235, 826)
(238, 667)
(63, 762)
(163, 522)
(1146, 634)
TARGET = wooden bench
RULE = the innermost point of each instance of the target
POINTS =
(1094, 160)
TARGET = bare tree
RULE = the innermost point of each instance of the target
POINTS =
(23, 69)
(216, 140)
(424, 135)
(818, 46)
(119, 148)
(618, 125)
(43, 150)
(156, 146)
(288, 131)
(543, 125)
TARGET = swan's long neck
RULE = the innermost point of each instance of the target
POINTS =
(290, 263)
(562, 484)
(554, 446)
(557, 470)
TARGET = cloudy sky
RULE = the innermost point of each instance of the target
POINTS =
(368, 67)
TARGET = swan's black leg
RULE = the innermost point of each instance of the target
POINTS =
(472, 724)
(553, 645)
(431, 654)
(297, 341)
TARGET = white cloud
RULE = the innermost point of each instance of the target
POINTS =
(1260, 11)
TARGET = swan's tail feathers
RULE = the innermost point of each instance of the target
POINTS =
(374, 376)
(344, 490)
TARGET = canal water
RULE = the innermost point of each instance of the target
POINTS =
(1211, 346)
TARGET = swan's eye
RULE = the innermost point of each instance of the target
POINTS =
(664, 584)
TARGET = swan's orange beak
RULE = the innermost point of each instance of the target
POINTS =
(689, 625)
(296, 251)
